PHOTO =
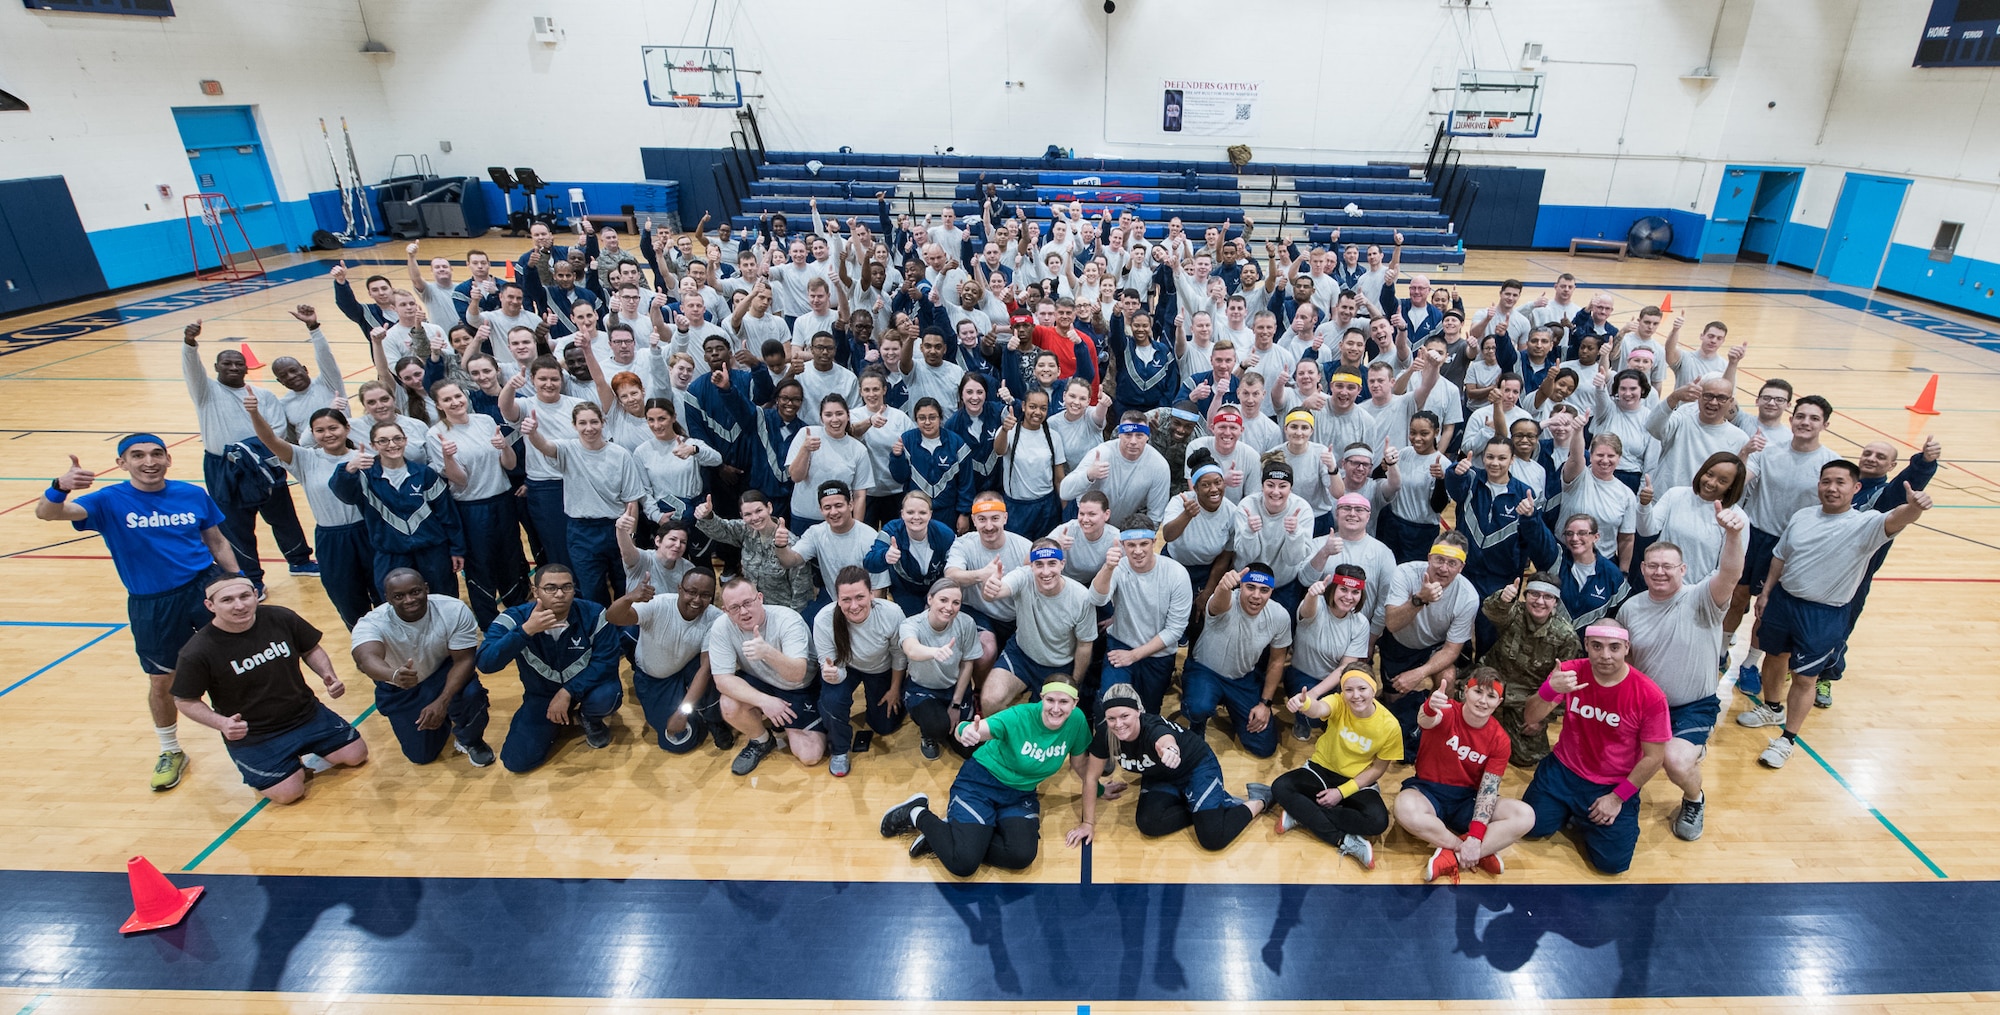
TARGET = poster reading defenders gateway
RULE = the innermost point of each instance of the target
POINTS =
(1208, 108)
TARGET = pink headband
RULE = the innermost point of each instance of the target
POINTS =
(1612, 631)
(1354, 500)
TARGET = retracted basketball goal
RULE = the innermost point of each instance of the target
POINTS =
(212, 210)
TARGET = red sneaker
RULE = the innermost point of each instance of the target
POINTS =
(1443, 863)
(1492, 864)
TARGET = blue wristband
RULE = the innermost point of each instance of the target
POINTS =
(55, 494)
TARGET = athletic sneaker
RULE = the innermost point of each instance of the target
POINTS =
(1492, 864)
(839, 766)
(1302, 729)
(920, 847)
(1723, 666)
(1687, 824)
(261, 594)
(168, 770)
(929, 748)
(1823, 694)
(1259, 791)
(1443, 863)
(1779, 752)
(724, 734)
(308, 567)
(896, 820)
(476, 752)
(752, 753)
(596, 732)
(1286, 823)
(1749, 679)
(314, 763)
(1762, 715)
(1360, 849)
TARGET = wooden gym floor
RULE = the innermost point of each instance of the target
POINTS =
(1882, 813)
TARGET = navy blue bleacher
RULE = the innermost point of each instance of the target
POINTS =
(1202, 194)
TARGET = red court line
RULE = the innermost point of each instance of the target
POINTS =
(114, 465)
(1965, 581)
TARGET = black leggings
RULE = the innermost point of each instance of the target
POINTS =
(962, 845)
(933, 719)
(1362, 814)
(1163, 813)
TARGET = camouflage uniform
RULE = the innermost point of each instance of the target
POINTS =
(1524, 655)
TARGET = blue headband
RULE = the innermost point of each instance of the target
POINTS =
(1143, 535)
(1125, 428)
(1259, 578)
(138, 438)
(1045, 553)
(1206, 470)
(1183, 414)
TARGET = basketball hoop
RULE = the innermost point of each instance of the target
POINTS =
(688, 100)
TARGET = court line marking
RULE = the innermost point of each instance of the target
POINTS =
(1083, 872)
(1863, 801)
(254, 810)
(28, 1008)
(111, 629)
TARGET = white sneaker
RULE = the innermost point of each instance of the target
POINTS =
(1360, 849)
(1775, 755)
(1285, 823)
(1762, 715)
(315, 763)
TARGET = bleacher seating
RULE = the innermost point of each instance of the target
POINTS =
(1307, 201)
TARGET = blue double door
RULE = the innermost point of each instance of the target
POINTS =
(227, 157)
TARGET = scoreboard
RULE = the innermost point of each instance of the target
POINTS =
(1960, 33)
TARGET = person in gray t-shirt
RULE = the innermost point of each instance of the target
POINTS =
(1053, 614)
(1243, 621)
(941, 647)
(858, 642)
(1675, 629)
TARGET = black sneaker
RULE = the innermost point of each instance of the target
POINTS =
(752, 753)
(724, 734)
(896, 820)
(920, 848)
(596, 733)
(929, 748)
(476, 752)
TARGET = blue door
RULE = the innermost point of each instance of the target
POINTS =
(228, 159)
(1724, 235)
(1858, 237)
(1776, 193)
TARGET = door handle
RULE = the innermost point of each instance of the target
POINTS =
(254, 207)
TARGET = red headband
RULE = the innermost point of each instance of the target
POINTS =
(1347, 581)
(1228, 417)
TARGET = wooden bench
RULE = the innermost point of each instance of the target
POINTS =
(630, 223)
(1593, 245)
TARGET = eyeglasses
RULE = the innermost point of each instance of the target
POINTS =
(1713, 397)
(1773, 400)
(393, 439)
(559, 590)
(1540, 597)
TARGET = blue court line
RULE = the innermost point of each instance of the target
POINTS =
(1863, 801)
(1008, 941)
(29, 1008)
(1858, 798)
(58, 623)
(254, 810)
(111, 630)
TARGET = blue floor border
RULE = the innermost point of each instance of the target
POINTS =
(108, 630)
(1016, 941)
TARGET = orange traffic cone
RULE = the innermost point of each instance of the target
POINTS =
(250, 358)
(1667, 303)
(508, 268)
(156, 903)
(1926, 402)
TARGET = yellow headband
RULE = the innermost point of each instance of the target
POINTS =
(1300, 416)
(1347, 378)
(1363, 674)
(1447, 550)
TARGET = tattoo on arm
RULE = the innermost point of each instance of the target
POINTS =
(1488, 798)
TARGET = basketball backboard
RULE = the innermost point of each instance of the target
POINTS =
(1496, 103)
(691, 76)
